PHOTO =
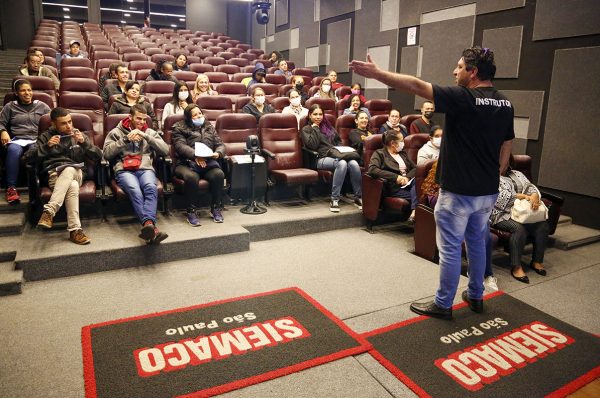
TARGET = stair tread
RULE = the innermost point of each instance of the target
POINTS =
(8, 274)
(8, 220)
(572, 235)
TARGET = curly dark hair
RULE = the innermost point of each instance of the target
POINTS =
(482, 59)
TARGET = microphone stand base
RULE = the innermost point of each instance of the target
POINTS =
(253, 208)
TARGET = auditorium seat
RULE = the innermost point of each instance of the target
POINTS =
(240, 102)
(343, 125)
(279, 135)
(275, 79)
(214, 105)
(302, 72)
(49, 53)
(238, 77)
(186, 76)
(269, 89)
(248, 69)
(243, 46)
(316, 81)
(77, 71)
(215, 50)
(214, 61)
(379, 106)
(158, 105)
(192, 59)
(142, 74)
(105, 63)
(105, 55)
(227, 68)
(44, 43)
(236, 51)
(161, 57)
(240, 62)
(412, 144)
(407, 120)
(372, 189)
(134, 56)
(279, 103)
(85, 103)
(217, 77)
(226, 55)
(78, 85)
(327, 104)
(248, 56)
(377, 121)
(45, 85)
(75, 62)
(283, 90)
(151, 51)
(231, 89)
(154, 88)
(342, 92)
(234, 129)
(37, 96)
(201, 68)
(312, 91)
(101, 47)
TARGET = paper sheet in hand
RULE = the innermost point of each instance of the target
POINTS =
(344, 149)
(408, 183)
(243, 159)
(64, 166)
(22, 142)
(202, 151)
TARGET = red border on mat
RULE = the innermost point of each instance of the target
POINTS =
(561, 392)
(364, 346)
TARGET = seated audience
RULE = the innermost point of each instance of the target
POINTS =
(130, 147)
(275, 57)
(332, 75)
(431, 150)
(33, 67)
(295, 107)
(392, 164)
(37, 52)
(61, 150)
(423, 124)
(282, 69)
(19, 120)
(325, 90)
(356, 105)
(191, 168)
(181, 63)
(117, 87)
(393, 123)
(319, 135)
(356, 89)
(181, 99)
(297, 83)
(74, 51)
(202, 87)
(514, 185)
(258, 105)
(162, 71)
(359, 134)
(258, 76)
(111, 74)
(130, 97)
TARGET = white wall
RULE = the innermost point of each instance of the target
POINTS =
(206, 15)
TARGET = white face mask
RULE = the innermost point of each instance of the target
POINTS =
(295, 101)
(437, 141)
(326, 88)
(400, 146)
(183, 95)
(260, 99)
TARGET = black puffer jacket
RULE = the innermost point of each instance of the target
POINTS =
(185, 137)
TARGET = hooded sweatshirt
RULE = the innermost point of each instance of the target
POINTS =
(67, 151)
(259, 67)
(117, 146)
(22, 120)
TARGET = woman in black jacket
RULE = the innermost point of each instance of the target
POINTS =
(359, 134)
(392, 164)
(186, 133)
(318, 135)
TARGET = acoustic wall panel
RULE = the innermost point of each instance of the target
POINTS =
(312, 57)
(506, 44)
(294, 38)
(282, 40)
(519, 146)
(325, 55)
(329, 8)
(381, 56)
(448, 13)
(559, 18)
(528, 104)
(389, 14)
(301, 12)
(440, 55)
(409, 60)
(338, 37)
(521, 126)
(281, 12)
(570, 160)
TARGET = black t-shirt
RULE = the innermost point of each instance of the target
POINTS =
(478, 121)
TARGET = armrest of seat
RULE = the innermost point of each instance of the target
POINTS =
(309, 158)
(425, 229)
(103, 177)
(554, 204)
(372, 191)
(267, 153)
(33, 182)
(164, 172)
(559, 200)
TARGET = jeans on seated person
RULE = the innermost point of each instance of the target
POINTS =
(191, 176)
(340, 168)
(458, 218)
(409, 193)
(140, 186)
(13, 160)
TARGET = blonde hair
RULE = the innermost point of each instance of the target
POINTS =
(202, 76)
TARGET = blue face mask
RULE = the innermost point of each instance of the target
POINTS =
(198, 122)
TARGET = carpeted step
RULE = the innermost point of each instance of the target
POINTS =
(564, 220)
(11, 280)
(11, 224)
(571, 235)
(20, 207)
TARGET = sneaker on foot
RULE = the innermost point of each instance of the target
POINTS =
(491, 283)
(158, 236)
(217, 215)
(12, 196)
(147, 232)
(45, 220)
(358, 203)
(79, 237)
(334, 206)
(192, 219)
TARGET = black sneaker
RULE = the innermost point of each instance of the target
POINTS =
(430, 308)
(358, 203)
(334, 206)
(147, 232)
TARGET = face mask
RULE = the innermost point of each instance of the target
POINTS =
(437, 141)
(299, 85)
(428, 115)
(259, 99)
(325, 88)
(183, 95)
(355, 92)
(295, 101)
(400, 146)
(198, 122)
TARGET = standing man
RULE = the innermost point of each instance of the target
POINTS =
(423, 124)
(476, 146)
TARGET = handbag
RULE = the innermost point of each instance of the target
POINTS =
(523, 213)
(347, 156)
(132, 162)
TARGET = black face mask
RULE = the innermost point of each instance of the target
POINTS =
(428, 115)
(299, 85)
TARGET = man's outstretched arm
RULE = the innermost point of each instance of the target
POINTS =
(398, 81)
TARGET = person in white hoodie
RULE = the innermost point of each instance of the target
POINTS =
(431, 150)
